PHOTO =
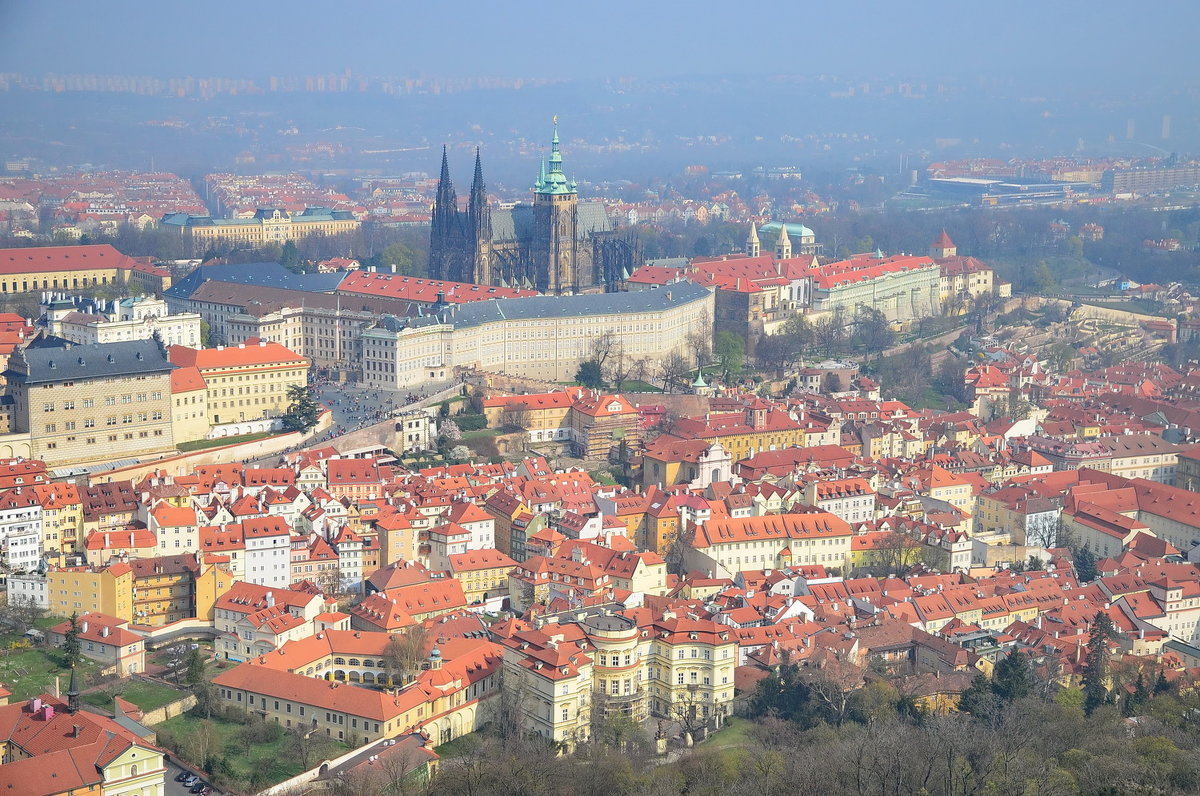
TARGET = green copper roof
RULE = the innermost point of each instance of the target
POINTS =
(555, 180)
(700, 382)
(794, 230)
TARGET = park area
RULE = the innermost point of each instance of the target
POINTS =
(28, 669)
(242, 751)
(146, 695)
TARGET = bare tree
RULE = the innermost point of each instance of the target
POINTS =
(688, 710)
(306, 745)
(515, 417)
(896, 553)
(603, 347)
(700, 346)
(403, 655)
(672, 371)
(203, 743)
(639, 369)
(22, 611)
(617, 368)
(832, 681)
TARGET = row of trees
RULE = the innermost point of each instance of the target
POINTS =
(867, 332)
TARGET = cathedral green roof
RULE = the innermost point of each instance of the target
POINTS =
(554, 181)
(794, 230)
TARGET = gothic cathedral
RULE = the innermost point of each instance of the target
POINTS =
(557, 245)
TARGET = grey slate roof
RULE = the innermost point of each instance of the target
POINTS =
(516, 224)
(534, 307)
(97, 360)
(256, 274)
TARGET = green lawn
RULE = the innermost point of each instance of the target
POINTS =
(467, 436)
(603, 477)
(146, 696)
(637, 385)
(201, 444)
(30, 672)
(460, 746)
(273, 759)
(735, 733)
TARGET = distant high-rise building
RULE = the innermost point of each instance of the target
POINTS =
(557, 244)
(1166, 126)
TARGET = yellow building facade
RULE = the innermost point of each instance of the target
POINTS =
(249, 381)
(105, 590)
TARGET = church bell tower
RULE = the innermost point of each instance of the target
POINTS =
(555, 242)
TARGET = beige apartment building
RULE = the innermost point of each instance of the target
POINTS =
(541, 337)
(93, 403)
(576, 668)
(270, 225)
(249, 381)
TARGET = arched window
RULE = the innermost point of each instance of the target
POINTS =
(133, 770)
(339, 661)
(354, 662)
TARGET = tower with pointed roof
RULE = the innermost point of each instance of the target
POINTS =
(460, 244)
(783, 246)
(753, 244)
(557, 244)
(943, 247)
(479, 223)
(555, 249)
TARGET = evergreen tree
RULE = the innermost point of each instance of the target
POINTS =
(1141, 695)
(304, 411)
(1096, 667)
(290, 257)
(195, 667)
(71, 642)
(979, 699)
(1013, 678)
(589, 374)
(1161, 686)
(1085, 565)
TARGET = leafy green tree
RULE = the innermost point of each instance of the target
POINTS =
(589, 374)
(730, 353)
(303, 411)
(1043, 281)
(206, 338)
(1097, 669)
(403, 259)
(872, 330)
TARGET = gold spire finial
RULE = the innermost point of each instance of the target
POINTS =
(556, 118)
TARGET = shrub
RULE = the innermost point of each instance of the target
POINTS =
(471, 422)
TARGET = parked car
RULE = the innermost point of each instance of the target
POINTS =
(199, 787)
(191, 780)
(182, 775)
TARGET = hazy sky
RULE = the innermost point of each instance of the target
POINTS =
(1098, 40)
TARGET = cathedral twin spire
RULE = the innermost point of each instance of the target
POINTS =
(452, 233)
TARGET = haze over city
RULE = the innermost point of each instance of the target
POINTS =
(623, 399)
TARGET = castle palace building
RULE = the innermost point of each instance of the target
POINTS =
(556, 245)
